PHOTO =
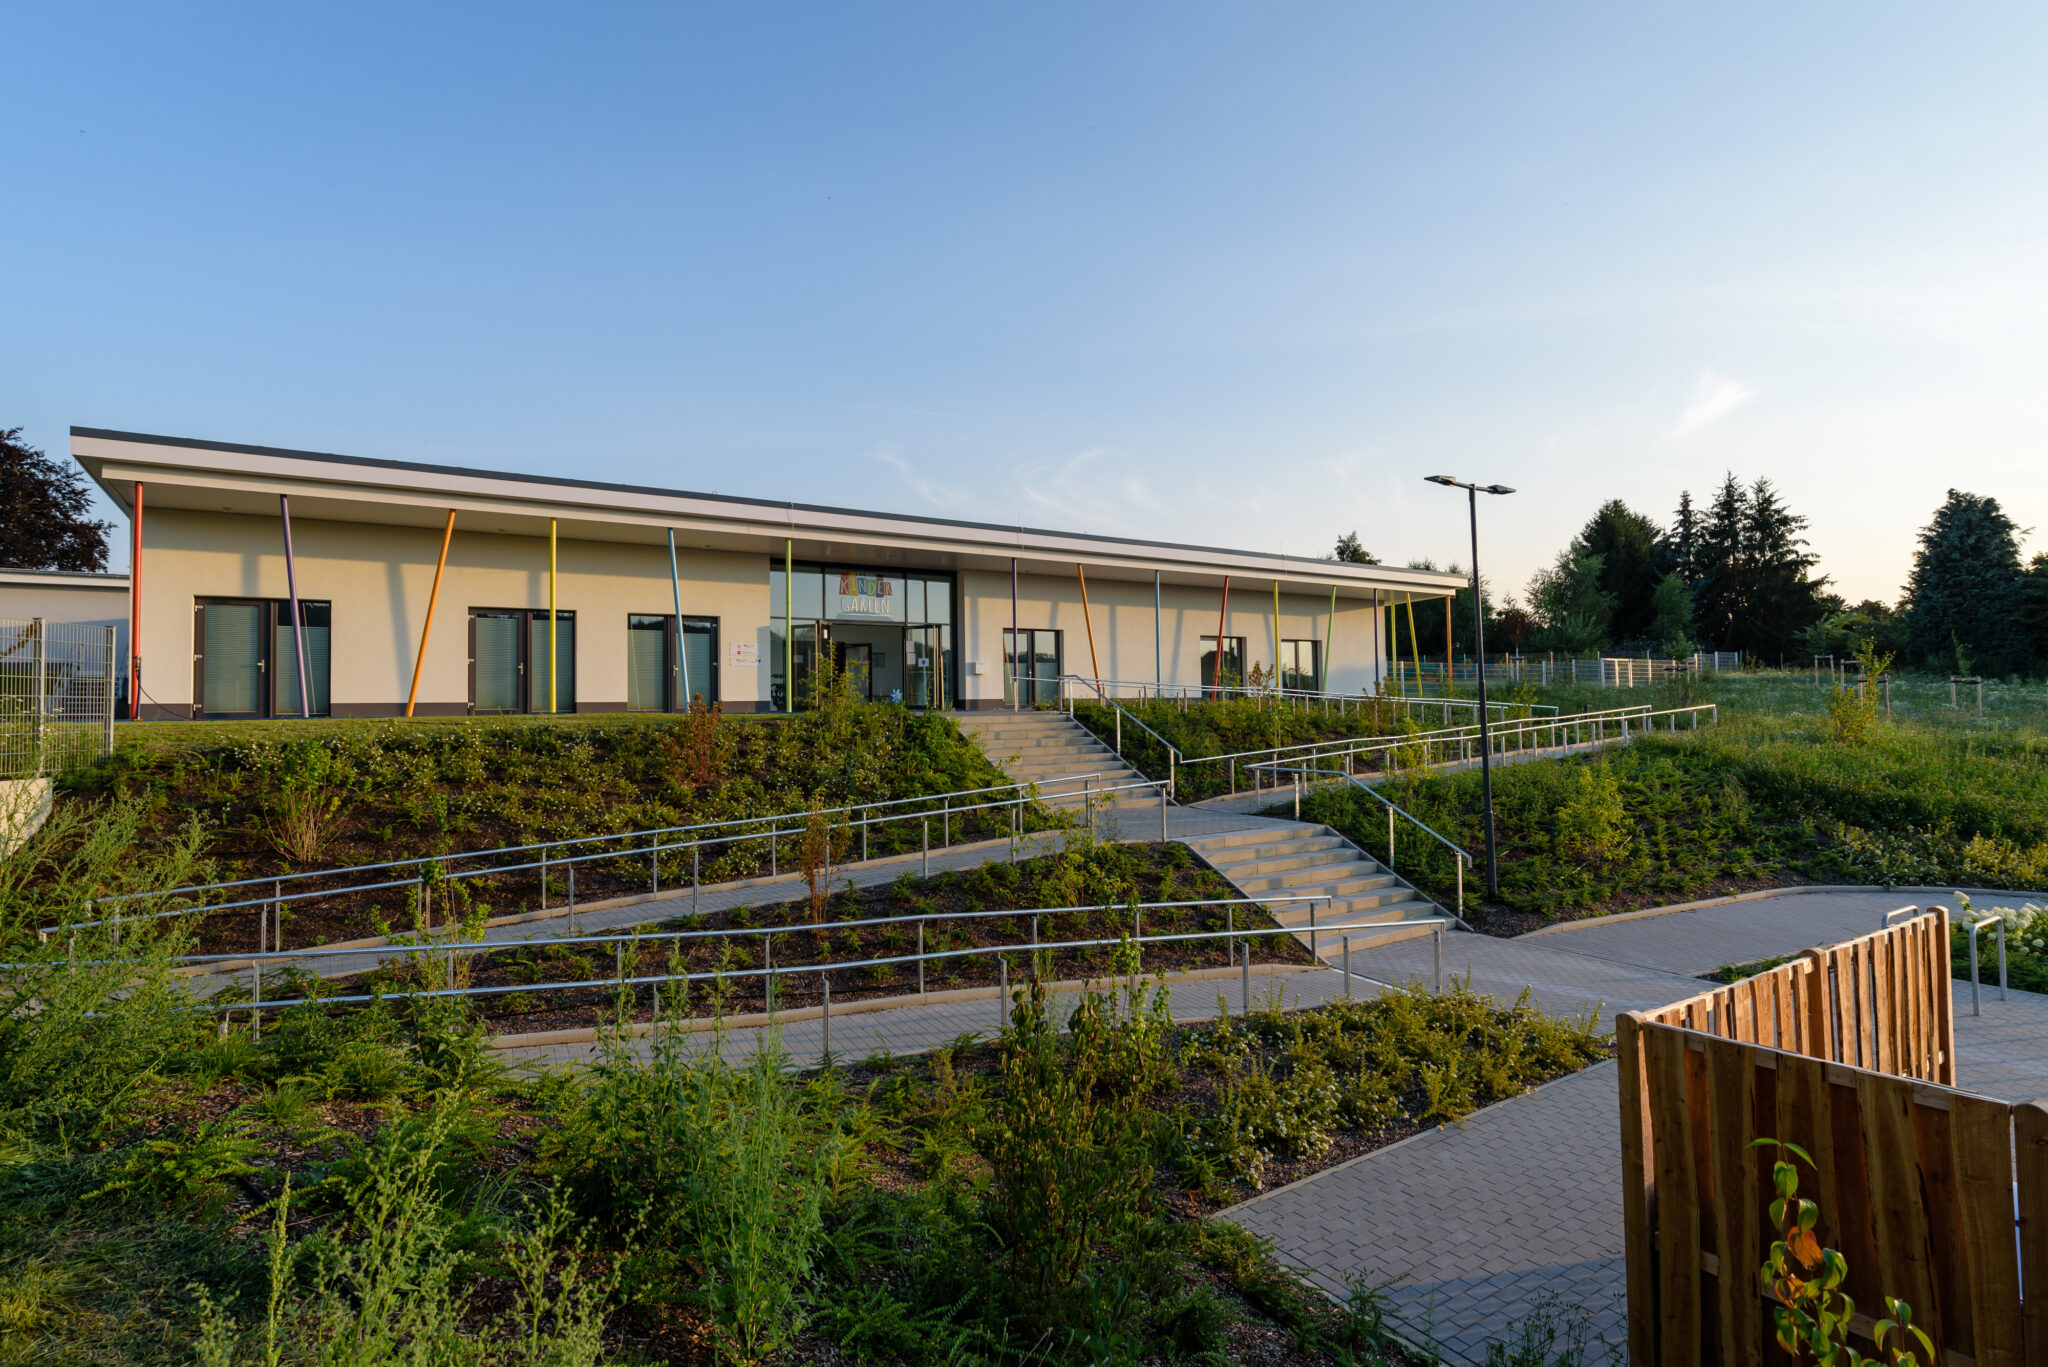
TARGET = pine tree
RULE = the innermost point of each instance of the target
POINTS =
(1626, 543)
(1718, 599)
(2032, 617)
(1681, 546)
(1783, 599)
(43, 507)
(1965, 589)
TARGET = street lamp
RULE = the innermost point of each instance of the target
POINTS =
(1472, 492)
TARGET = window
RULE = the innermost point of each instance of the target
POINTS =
(658, 677)
(508, 660)
(1031, 666)
(1233, 662)
(1299, 661)
(246, 660)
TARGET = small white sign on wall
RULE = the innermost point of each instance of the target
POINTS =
(746, 653)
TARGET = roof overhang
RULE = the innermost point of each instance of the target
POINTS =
(178, 472)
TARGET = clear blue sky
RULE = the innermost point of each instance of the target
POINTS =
(1230, 273)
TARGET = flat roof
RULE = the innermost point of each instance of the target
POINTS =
(64, 579)
(182, 472)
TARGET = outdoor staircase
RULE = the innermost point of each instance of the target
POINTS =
(1049, 749)
(1283, 859)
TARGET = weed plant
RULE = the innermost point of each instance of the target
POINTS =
(368, 1186)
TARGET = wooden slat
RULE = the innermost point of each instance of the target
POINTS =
(1678, 1224)
(2030, 1154)
(1879, 974)
(1948, 1320)
(1980, 1145)
(1817, 1024)
(1636, 1197)
(1743, 1001)
(1804, 1119)
(1731, 1101)
(1944, 1000)
(1898, 1219)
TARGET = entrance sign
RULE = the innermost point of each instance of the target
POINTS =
(746, 653)
(860, 594)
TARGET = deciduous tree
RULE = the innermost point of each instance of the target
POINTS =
(1626, 543)
(43, 512)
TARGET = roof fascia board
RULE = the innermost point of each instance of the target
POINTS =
(116, 462)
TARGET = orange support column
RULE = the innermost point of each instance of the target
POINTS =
(447, 533)
(1088, 620)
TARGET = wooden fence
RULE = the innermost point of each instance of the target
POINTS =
(1933, 1195)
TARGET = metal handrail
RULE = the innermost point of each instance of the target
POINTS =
(572, 840)
(1173, 755)
(1028, 791)
(1446, 733)
(1147, 688)
(772, 971)
(1976, 993)
(640, 932)
(1456, 849)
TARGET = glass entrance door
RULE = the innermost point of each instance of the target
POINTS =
(924, 666)
(806, 640)
(1031, 660)
(856, 661)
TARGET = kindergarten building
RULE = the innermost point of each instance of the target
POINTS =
(442, 591)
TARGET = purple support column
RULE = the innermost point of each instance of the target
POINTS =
(291, 579)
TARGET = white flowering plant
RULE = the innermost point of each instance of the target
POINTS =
(2026, 942)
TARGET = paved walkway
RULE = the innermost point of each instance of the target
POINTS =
(914, 1028)
(1472, 1225)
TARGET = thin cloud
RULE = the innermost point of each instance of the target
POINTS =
(934, 494)
(1714, 399)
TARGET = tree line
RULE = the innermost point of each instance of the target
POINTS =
(1737, 575)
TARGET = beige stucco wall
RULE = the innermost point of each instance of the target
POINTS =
(1124, 628)
(379, 579)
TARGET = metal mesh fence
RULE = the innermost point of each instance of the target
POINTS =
(57, 684)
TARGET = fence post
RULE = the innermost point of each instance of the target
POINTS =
(920, 957)
(108, 715)
(1244, 982)
(1162, 816)
(654, 861)
(924, 854)
(1002, 993)
(695, 879)
(1347, 968)
(572, 899)
(1390, 838)
(768, 972)
(1460, 863)
(1439, 957)
(42, 703)
(825, 1016)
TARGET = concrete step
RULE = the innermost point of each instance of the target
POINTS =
(1282, 849)
(1305, 861)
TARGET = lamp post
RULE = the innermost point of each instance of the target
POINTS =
(1472, 492)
